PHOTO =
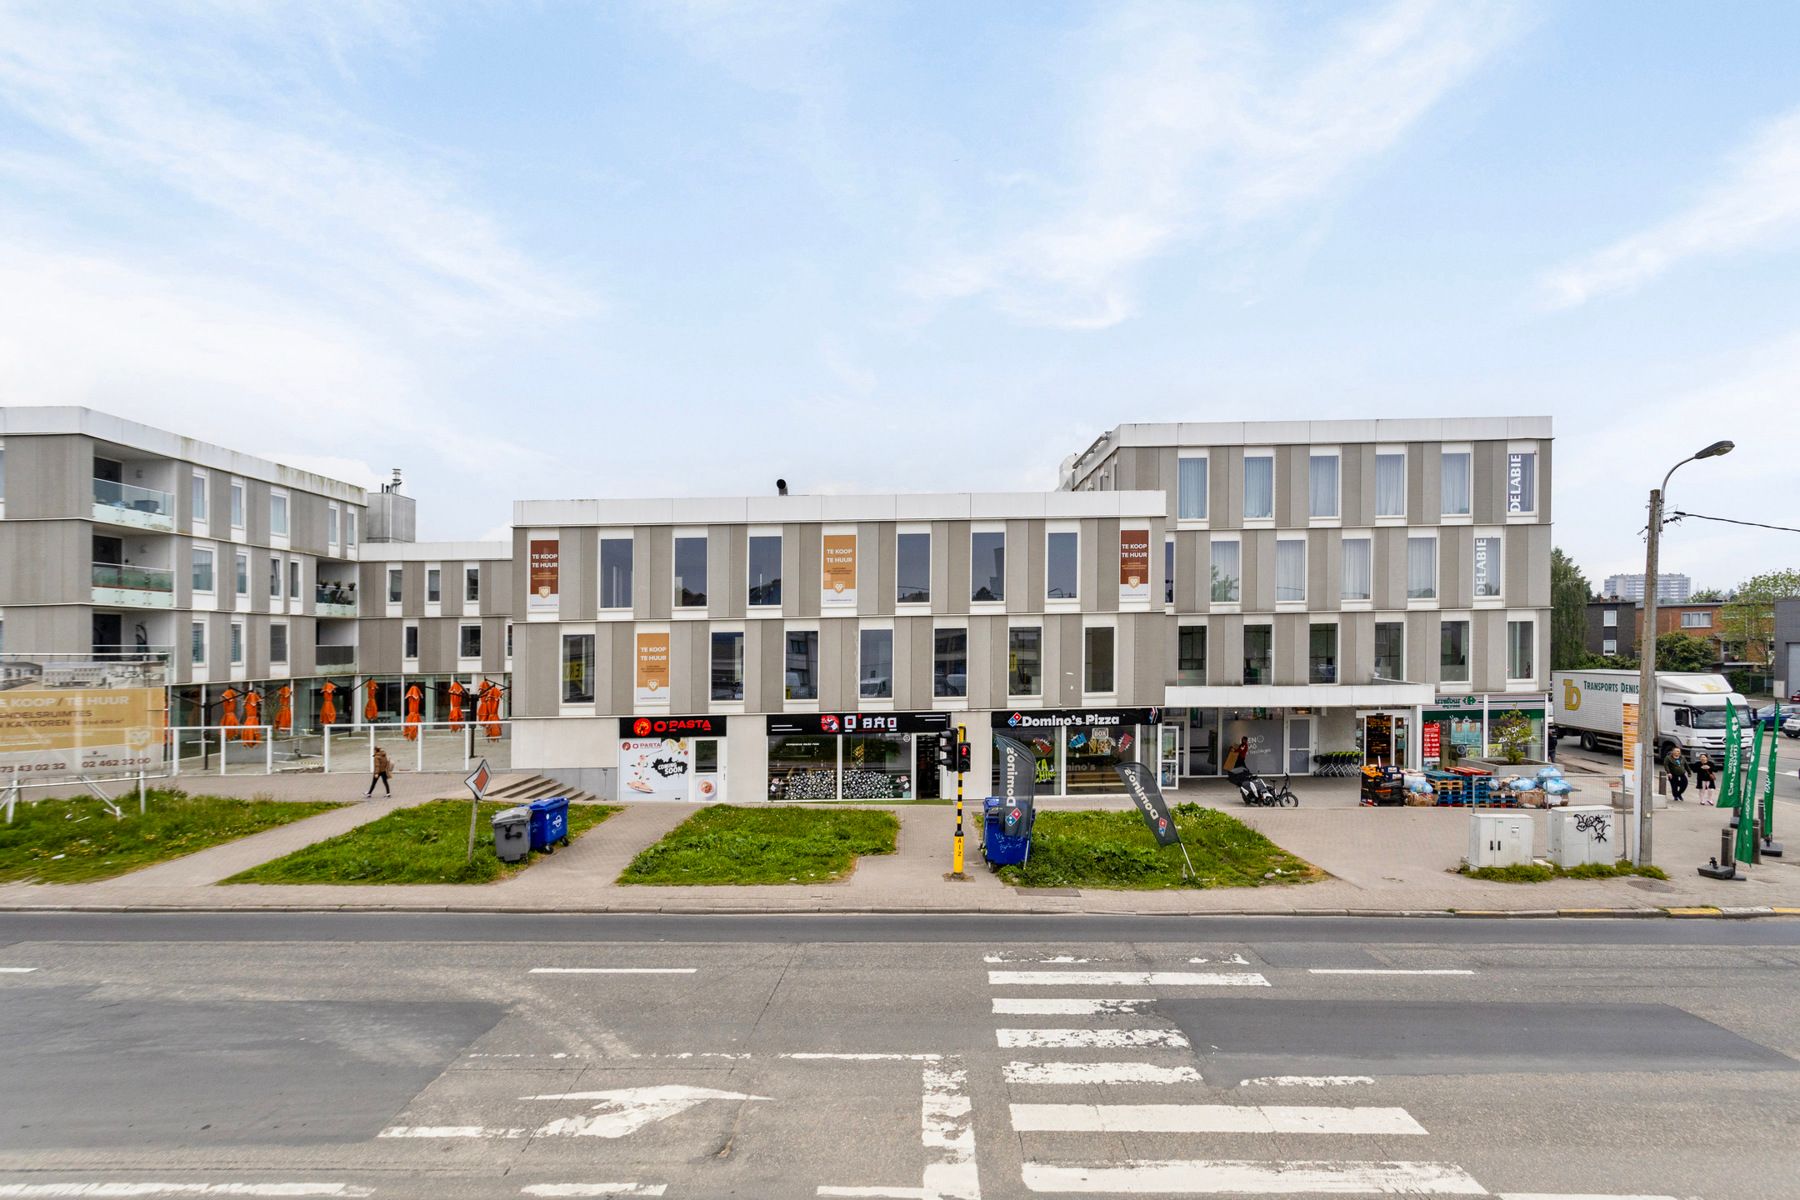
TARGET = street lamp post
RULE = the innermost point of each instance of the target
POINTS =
(1647, 733)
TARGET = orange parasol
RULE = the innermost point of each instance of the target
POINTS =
(371, 710)
(413, 699)
(328, 709)
(284, 708)
(228, 713)
(250, 735)
(491, 693)
(457, 692)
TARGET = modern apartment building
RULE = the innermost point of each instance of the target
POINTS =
(1379, 586)
(1670, 589)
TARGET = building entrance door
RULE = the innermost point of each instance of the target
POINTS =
(1386, 739)
(709, 771)
(1169, 762)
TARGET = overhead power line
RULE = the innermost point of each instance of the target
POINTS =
(1678, 514)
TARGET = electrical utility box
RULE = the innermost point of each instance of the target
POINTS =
(1586, 834)
(1499, 839)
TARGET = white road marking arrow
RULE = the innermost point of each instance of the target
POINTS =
(627, 1110)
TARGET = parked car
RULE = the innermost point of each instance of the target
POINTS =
(1791, 726)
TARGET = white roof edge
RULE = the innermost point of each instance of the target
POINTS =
(53, 420)
(436, 551)
(848, 509)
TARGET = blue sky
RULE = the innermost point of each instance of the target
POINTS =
(627, 249)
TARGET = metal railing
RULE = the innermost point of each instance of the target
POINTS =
(458, 745)
(334, 593)
(112, 494)
(334, 656)
(132, 578)
(239, 748)
(128, 650)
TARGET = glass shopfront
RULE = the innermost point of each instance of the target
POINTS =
(1078, 750)
(1280, 740)
(1462, 727)
(852, 756)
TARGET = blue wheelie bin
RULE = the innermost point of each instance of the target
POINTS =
(549, 823)
(1006, 831)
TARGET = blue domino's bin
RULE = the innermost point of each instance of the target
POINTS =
(549, 823)
(1006, 831)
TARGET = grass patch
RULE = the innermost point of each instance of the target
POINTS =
(723, 845)
(1115, 850)
(427, 843)
(78, 840)
(1545, 872)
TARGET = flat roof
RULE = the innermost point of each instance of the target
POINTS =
(775, 510)
(379, 552)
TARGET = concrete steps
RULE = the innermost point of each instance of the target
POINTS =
(536, 787)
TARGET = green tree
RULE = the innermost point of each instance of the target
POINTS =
(1706, 594)
(1748, 619)
(1685, 652)
(1569, 594)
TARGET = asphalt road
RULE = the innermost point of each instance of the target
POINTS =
(473, 1056)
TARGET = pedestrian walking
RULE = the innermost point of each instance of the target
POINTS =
(1551, 744)
(1678, 775)
(383, 767)
(1705, 774)
(1234, 757)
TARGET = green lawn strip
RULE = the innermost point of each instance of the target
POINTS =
(427, 843)
(78, 840)
(1090, 849)
(1545, 872)
(726, 845)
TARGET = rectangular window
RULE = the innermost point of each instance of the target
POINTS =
(242, 564)
(913, 568)
(197, 642)
(237, 643)
(1169, 569)
(237, 505)
(434, 585)
(1259, 642)
(1390, 485)
(1453, 652)
(1521, 649)
(331, 524)
(1455, 485)
(875, 673)
(803, 664)
(409, 641)
(1025, 661)
(472, 584)
(727, 665)
(1097, 655)
(395, 577)
(349, 527)
(1696, 620)
(509, 627)
(197, 494)
(690, 572)
(1259, 487)
(468, 641)
(1521, 483)
(578, 668)
(1390, 650)
(1609, 619)
(1225, 576)
(278, 514)
(1062, 566)
(1488, 566)
(1290, 571)
(615, 572)
(987, 566)
(1609, 646)
(274, 579)
(1359, 569)
(203, 570)
(1421, 568)
(1190, 489)
(294, 580)
(765, 570)
(1321, 658)
(1322, 485)
(1190, 656)
(950, 663)
(278, 643)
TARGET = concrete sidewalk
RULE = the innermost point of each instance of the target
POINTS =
(1379, 861)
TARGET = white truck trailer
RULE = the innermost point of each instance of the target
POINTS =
(1690, 710)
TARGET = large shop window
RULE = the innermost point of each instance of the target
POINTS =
(1322, 485)
(877, 766)
(615, 572)
(950, 663)
(1190, 661)
(1390, 485)
(1489, 567)
(1390, 650)
(803, 664)
(1322, 649)
(1025, 661)
(728, 666)
(875, 676)
(1453, 652)
(987, 566)
(1226, 579)
(765, 570)
(1421, 568)
(1062, 566)
(1521, 650)
(1358, 579)
(1092, 754)
(803, 767)
(1290, 571)
(864, 765)
(690, 572)
(1190, 489)
(1259, 655)
(1097, 653)
(912, 568)
(578, 668)
(1259, 487)
(1455, 476)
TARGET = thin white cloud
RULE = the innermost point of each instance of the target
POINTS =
(1197, 122)
(1757, 201)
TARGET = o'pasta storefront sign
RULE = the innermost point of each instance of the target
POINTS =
(47, 733)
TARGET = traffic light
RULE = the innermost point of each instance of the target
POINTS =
(962, 757)
(946, 751)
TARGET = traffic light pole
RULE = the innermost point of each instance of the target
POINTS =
(956, 852)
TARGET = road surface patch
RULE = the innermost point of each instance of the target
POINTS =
(594, 1189)
(299, 1191)
(614, 970)
(1381, 971)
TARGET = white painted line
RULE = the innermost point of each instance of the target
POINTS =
(1239, 959)
(1129, 978)
(1574, 1196)
(1064, 1008)
(893, 1193)
(594, 1189)
(15, 971)
(814, 1055)
(1188, 1177)
(947, 1129)
(1314, 1081)
(1071, 1073)
(10, 1190)
(1375, 971)
(623, 1111)
(614, 970)
(1095, 1039)
(448, 1131)
(1211, 1118)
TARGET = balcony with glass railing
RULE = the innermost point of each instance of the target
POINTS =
(334, 599)
(136, 586)
(132, 506)
(334, 660)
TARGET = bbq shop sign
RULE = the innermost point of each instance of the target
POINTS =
(671, 727)
(837, 723)
(1064, 718)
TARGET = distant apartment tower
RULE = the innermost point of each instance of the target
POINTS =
(1670, 589)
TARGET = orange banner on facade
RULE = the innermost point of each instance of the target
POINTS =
(838, 571)
(1134, 564)
(45, 733)
(545, 575)
(652, 668)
